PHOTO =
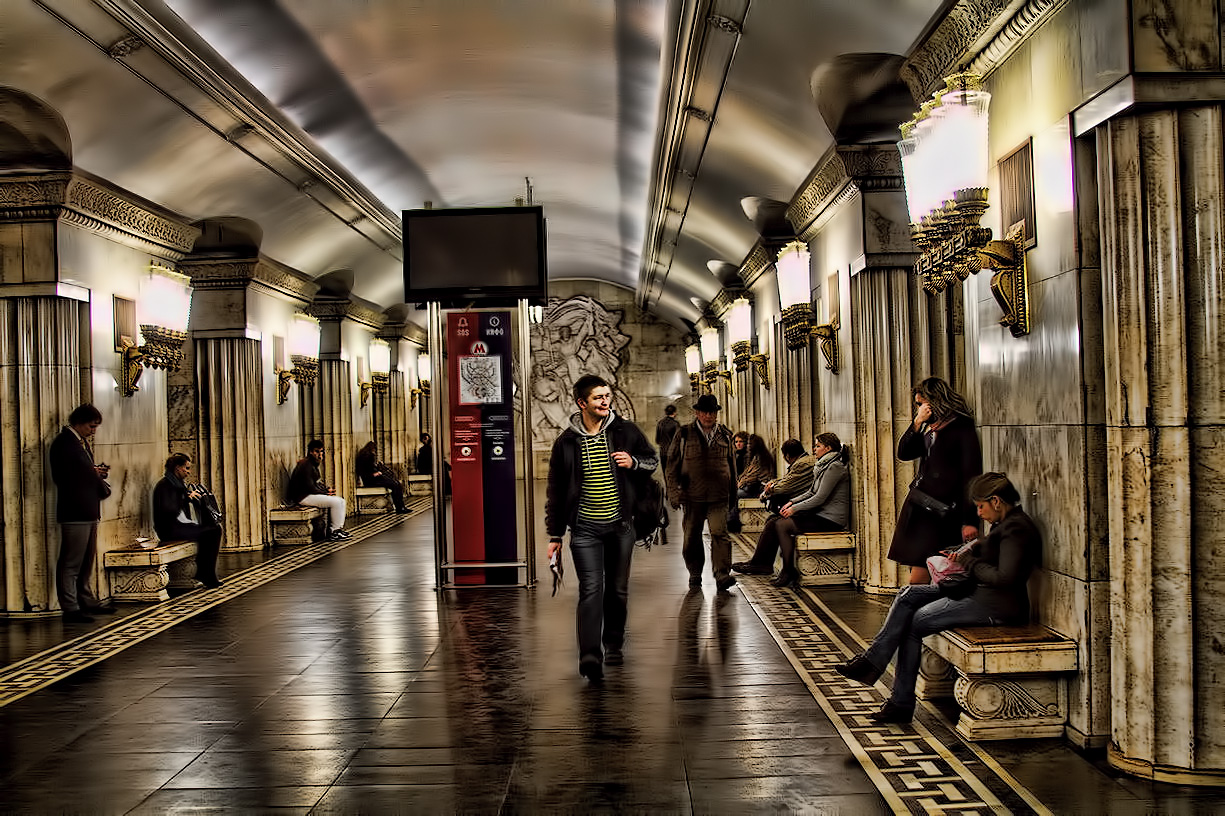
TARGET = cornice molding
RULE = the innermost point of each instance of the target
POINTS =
(33, 196)
(241, 273)
(336, 309)
(756, 263)
(975, 33)
(845, 172)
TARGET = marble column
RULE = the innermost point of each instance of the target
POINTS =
(230, 410)
(327, 414)
(390, 425)
(1161, 184)
(43, 376)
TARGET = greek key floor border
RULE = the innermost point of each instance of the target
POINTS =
(36, 672)
(921, 767)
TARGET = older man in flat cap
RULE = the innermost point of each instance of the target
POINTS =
(701, 477)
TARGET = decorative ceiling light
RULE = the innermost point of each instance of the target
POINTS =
(165, 297)
(793, 293)
(303, 354)
(944, 151)
(709, 338)
(423, 380)
(740, 333)
(380, 370)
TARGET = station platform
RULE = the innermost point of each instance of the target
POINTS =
(334, 678)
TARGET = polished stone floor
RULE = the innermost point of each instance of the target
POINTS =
(345, 683)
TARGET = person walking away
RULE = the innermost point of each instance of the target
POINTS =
(824, 508)
(591, 493)
(701, 478)
(306, 487)
(80, 488)
(1000, 565)
(936, 514)
(665, 430)
(177, 516)
(374, 473)
(796, 481)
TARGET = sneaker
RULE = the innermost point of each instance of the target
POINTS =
(590, 668)
(859, 669)
(890, 712)
(339, 534)
(725, 583)
(613, 657)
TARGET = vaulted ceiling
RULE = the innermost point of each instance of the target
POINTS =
(650, 130)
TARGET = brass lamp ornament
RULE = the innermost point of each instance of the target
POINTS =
(167, 294)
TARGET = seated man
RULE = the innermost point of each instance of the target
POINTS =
(796, 481)
(178, 516)
(999, 566)
(374, 473)
(306, 487)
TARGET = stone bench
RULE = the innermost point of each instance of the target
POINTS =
(294, 525)
(753, 515)
(145, 572)
(1010, 682)
(373, 500)
(420, 484)
(825, 558)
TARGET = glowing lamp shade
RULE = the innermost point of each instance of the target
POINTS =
(709, 338)
(165, 299)
(793, 280)
(423, 367)
(693, 359)
(380, 356)
(304, 336)
(740, 321)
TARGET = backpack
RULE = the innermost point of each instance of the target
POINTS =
(650, 513)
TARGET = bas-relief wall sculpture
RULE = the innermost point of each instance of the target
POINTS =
(578, 336)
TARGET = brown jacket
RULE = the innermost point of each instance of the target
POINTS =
(698, 472)
(797, 479)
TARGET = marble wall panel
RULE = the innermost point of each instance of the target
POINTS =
(1037, 378)
(1105, 43)
(1047, 465)
(1055, 67)
(1208, 590)
(1057, 249)
(885, 222)
(27, 252)
(1012, 112)
(1182, 36)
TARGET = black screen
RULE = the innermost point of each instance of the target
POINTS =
(474, 254)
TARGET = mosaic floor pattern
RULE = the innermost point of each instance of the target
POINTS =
(922, 767)
(27, 676)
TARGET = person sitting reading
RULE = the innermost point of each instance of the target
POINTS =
(999, 566)
(374, 473)
(775, 494)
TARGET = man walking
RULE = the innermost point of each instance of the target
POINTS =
(665, 431)
(81, 487)
(701, 477)
(306, 487)
(796, 481)
(590, 492)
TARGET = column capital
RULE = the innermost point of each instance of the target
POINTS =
(241, 273)
(844, 172)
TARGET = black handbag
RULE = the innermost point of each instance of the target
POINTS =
(929, 503)
(958, 585)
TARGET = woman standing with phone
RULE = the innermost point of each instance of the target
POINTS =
(936, 514)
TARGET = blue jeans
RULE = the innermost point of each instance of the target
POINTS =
(602, 553)
(918, 611)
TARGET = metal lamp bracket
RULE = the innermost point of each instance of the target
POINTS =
(1010, 283)
(828, 335)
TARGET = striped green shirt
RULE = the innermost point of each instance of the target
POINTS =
(599, 501)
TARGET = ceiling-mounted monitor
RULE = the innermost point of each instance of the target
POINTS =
(481, 256)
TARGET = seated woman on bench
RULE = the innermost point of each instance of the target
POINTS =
(825, 508)
(1000, 566)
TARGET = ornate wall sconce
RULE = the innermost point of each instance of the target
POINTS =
(944, 154)
(423, 380)
(303, 354)
(167, 294)
(380, 371)
(740, 332)
(799, 322)
(693, 364)
(709, 340)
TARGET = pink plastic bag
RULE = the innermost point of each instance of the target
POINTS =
(942, 566)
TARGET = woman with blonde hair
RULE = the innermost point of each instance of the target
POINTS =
(936, 514)
(824, 508)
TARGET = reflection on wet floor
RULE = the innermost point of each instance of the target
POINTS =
(350, 685)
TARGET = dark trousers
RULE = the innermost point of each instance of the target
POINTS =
(694, 551)
(602, 554)
(208, 545)
(788, 528)
(767, 543)
(78, 551)
(397, 489)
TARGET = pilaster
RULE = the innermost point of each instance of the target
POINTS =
(1161, 183)
(327, 414)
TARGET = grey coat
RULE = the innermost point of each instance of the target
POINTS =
(830, 494)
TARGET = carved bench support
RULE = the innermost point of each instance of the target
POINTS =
(753, 515)
(825, 558)
(1011, 681)
(139, 573)
(293, 526)
(420, 484)
(373, 500)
